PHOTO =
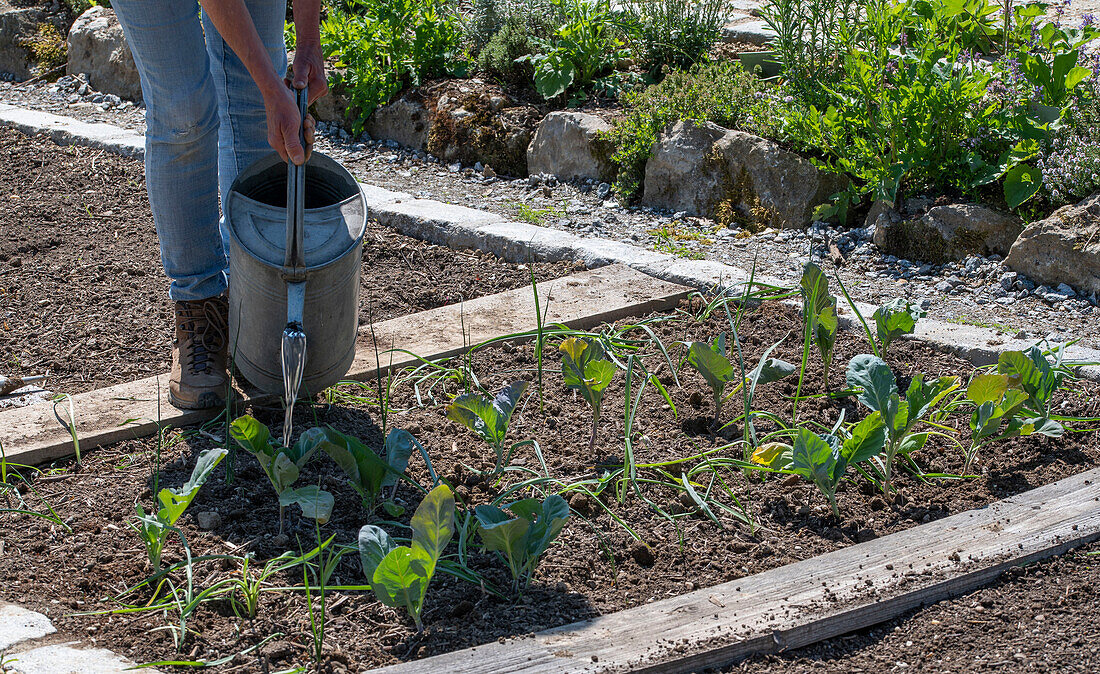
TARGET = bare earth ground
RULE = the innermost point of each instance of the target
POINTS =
(1037, 618)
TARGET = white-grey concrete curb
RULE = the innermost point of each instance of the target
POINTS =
(461, 227)
(73, 131)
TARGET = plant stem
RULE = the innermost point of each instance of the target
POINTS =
(592, 440)
(718, 410)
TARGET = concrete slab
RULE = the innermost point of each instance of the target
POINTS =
(67, 659)
(18, 624)
(66, 130)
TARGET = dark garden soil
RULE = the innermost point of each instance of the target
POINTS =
(597, 566)
(83, 296)
(1038, 618)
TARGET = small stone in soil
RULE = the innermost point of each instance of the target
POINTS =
(642, 554)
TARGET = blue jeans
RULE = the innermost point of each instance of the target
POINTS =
(205, 122)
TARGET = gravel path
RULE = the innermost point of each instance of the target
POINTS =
(976, 291)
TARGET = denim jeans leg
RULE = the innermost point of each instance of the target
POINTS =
(181, 141)
(243, 130)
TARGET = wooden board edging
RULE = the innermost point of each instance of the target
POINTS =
(38, 433)
(787, 607)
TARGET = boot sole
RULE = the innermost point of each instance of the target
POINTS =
(206, 401)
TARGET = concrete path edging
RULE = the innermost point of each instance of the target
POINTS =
(459, 226)
(26, 647)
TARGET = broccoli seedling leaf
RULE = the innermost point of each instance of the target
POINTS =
(524, 538)
(487, 418)
(175, 501)
(896, 318)
(399, 575)
(711, 362)
(316, 503)
(819, 462)
(1032, 373)
(587, 371)
(819, 314)
(368, 473)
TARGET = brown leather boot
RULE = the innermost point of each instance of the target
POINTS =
(199, 380)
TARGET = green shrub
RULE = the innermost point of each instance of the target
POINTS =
(722, 93)
(676, 33)
(498, 58)
(582, 51)
(382, 46)
(47, 47)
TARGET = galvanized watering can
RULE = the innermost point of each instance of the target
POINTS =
(295, 254)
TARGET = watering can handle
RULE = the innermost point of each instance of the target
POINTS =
(294, 263)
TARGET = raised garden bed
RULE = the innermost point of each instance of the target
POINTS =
(83, 296)
(598, 567)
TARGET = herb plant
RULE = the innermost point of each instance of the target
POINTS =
(522, 539)
(824, 461)
(878, 390)
(282, 465)
(1031, 372)
(154, 528)
(488, 418)
(717, 370)
(399, 575)
(368, 474)
(587, 371)
(893, 319)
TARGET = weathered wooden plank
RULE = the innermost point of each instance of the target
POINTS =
(808, 601)
(38, 433)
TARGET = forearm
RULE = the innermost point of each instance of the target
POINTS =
(234, 23)
(307, 22)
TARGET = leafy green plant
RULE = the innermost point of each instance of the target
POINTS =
(878, 391)
(1031, 372)
(282, 465)
(996, 415)
(718, 371)
(399, 575)
(893, 319)
(585, 47)
(676, 33)
(503, 56)
(368, 474)
(823, 461)
(154, 528)
(587, 371)
(522, 539)
(819, 316)
(489, 418)
(810, 39)
(380, 47)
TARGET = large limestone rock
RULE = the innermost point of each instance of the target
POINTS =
(97, 48)
(1064, 248)
(947, 233)
(730, 176)
(405, 120)
(568, 145)
(17, 25)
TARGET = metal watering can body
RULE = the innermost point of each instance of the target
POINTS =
(282, 273)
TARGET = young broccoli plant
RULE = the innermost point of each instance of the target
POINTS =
(879, 392)
(824, 461)
(489, 418)
(895, 318)
(522, 539)
(1031, 372)
(399, 575)
(154, 528)
(997, 413)
(282, 465)
(819, 315)
(718, 371)
(587, 370)
(368, 474)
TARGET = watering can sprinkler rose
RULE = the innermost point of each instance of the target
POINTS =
(296, 239)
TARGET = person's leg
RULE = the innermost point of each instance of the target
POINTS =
(181, 145)
(242, 136)
(181, 138)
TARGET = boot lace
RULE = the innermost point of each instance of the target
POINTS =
(203, 323)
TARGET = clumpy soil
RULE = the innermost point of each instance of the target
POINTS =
(596, 567)
(83, 296)
(1038, 618)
